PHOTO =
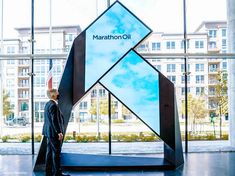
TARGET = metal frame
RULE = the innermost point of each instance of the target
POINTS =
(33, 56)
(32, 74)
(144, 55)
(72, 89)
(147, 56)
(185, 78)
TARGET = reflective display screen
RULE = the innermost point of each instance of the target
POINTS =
(107, 39)
(136, 84)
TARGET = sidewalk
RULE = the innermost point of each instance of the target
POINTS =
(118, 148)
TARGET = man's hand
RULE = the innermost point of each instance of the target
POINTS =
(60, 136)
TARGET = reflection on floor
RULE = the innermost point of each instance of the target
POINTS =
(119, 147)
(196, 164)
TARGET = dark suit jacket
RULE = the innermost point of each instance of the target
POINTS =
(53, 120)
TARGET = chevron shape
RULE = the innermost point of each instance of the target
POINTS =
(104, 53)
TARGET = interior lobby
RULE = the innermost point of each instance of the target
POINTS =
(145, 87)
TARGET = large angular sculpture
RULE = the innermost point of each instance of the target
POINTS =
(104, 53)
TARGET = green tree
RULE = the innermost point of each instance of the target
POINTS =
(6, 104)
(197, 110)
(221, 96)
(103, 110)
(103, 107)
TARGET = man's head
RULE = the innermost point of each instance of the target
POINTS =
(53, 94)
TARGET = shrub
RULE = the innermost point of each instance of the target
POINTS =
(105, 138)
(79, 139)
(115, 137)
(5, 138)
(68, 137)
(120, 137)
(85, 138)
(210, 137)
(92, 138)
(118, 121)
(126, 138)
(38, 138)
(135, 138)
(148, 138)
(24, 138)
(225, 136)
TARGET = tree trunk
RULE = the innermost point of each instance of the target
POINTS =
(214, 128)
(194, 123)
(220, 123)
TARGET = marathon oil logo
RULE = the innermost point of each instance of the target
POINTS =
(112, 37)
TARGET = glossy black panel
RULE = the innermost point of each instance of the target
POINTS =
(79, 67)
(196, 164)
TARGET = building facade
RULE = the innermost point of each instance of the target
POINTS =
(16, 72)
(209, 37)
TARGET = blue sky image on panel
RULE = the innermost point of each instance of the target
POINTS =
(136, 84)
(108, 39)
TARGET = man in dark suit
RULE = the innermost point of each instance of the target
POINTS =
(53, 130)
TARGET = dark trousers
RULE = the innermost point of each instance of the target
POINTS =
(53, 157)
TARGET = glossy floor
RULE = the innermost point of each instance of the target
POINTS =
(196, 164)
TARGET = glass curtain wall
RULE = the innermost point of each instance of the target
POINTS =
(61, 21)
(208, 95)
(15, 85)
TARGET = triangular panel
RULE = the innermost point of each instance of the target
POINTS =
(134, 82)
(106, 45)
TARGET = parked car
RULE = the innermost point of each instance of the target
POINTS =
(22, 121)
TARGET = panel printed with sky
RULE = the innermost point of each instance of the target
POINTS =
(102, 54)
(136, 84)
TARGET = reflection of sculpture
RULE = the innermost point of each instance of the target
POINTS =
(96, 57)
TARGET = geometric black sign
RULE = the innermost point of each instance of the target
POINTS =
(103, 53)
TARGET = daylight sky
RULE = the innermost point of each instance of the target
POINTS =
(160, 15)
(105, 53)
(136, 83)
